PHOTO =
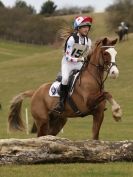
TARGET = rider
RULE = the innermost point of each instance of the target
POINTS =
(77, 44)
(122, 26)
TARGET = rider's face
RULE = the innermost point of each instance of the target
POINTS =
(84, 30)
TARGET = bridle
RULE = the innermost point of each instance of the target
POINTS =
(103, 67)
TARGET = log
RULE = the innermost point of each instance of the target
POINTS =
(51, 149)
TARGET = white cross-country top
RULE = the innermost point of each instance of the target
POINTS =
(77, 50)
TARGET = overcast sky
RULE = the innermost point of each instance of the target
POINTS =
(99, 5)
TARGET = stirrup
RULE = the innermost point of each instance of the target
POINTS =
(57, 111)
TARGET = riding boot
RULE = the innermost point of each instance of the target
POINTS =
(63, 94)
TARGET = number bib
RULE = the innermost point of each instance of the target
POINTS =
(79, 50)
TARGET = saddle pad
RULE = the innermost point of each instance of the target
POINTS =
(53, 91)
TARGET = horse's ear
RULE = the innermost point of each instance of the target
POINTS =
(104, 41)
(98, 42)
(114, 41)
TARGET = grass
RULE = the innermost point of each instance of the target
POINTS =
(24, 67)
(65, 170)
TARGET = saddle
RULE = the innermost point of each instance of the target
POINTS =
(71, 81)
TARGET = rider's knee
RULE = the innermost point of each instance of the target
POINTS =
(64, 80)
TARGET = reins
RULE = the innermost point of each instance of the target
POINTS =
(99, 68)
(85, 63)
(101, 82)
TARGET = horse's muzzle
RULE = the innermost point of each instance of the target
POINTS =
(114, 72)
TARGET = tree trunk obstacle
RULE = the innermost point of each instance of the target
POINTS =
(50, 149)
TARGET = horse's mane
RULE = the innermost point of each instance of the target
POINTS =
(98, 41)
(94, 46)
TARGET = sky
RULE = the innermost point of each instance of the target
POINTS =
(99, 5)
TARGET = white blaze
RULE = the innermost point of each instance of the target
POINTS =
(114, 72)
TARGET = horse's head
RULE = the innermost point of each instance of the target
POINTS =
(107, 59)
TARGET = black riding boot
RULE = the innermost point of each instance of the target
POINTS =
(63, 94)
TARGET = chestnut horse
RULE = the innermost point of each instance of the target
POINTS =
(88, 95)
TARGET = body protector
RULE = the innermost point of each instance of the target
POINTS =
(76, 47)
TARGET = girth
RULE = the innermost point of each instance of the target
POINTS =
(91, 109)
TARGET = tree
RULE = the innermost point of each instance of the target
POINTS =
(20, 4)
(51, 149)
(23, 5)
(88, 9)
(31, 9)
(1, 4)
(74, 10)
(48, 8)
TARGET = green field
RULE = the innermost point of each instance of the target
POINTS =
(24, 67)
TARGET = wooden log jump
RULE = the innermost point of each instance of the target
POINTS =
(50, 149)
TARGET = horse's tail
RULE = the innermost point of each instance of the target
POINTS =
(14, 119)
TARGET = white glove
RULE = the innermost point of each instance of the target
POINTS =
(81, 59)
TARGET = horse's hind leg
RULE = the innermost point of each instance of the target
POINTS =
(42, 127)
(56, 123)
(41, 118)
(97, 121)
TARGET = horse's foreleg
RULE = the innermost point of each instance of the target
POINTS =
(97, 121)
(116, 109)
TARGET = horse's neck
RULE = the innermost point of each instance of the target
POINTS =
(92, 75)
(91, 80)
(93, 66)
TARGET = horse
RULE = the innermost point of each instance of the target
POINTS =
(88, 96)
(123, 34)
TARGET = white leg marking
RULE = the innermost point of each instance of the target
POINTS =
(116, 110)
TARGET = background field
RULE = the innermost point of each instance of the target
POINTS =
(24, 67)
